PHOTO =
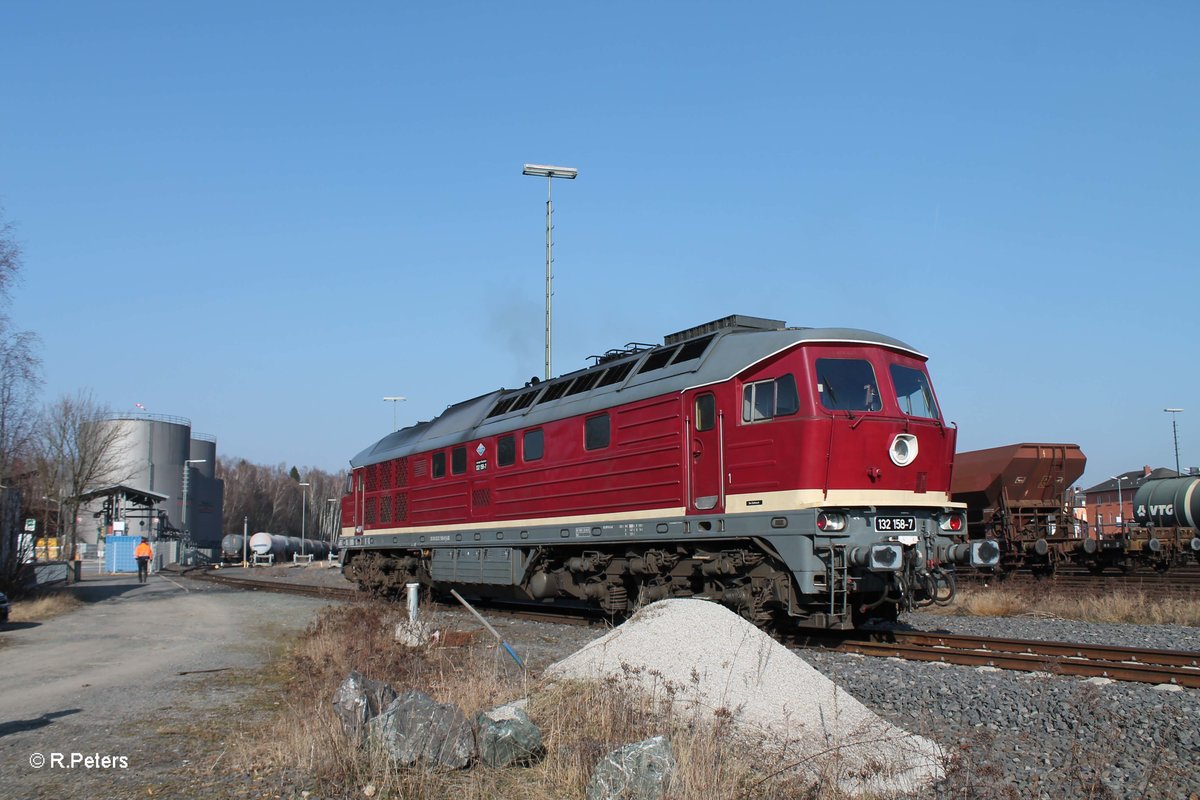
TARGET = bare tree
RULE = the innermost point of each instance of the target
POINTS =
(20, 378)
(87, 449)
(273, 500)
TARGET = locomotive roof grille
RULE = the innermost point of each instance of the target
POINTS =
(732, 321)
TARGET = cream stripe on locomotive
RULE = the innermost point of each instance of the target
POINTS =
(816, 498)
(773, 502)
(578, 519)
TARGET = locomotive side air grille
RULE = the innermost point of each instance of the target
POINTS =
(617, 373)
(369, 511)
(401, 472)
(481, 498)
(372, 479)
(385, 509)
(419, 468)
(401, 502)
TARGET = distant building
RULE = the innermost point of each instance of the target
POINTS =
(154, 451)
(1110, 508)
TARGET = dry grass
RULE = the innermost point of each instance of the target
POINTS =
(42, 607)
(1125, 606)
(303, 746)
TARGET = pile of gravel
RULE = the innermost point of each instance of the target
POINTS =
(704, 660)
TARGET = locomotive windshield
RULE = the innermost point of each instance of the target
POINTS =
(847, 384)
(913, 392)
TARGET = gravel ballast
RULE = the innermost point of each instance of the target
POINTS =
(1034, 735)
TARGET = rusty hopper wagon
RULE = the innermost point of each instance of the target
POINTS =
(1017, 495)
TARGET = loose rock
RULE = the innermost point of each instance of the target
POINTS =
(358, 700)
(507, 737)
(415, 729)
(638, 771)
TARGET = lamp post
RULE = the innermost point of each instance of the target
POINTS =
(1120, 504)
(393, 401)
(303, 507)
(187, 479)
(549, 173)
(1174, 412)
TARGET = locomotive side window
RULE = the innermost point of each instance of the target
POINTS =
(438, 465)
(706, 412)
(458, 460)
(913, 392)
(506, 450)
(596, 432)
(769, 399)
(847, 384)
(533, 444)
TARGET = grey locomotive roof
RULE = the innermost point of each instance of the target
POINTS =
(736, 344)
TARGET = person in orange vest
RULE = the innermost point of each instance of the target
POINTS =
(143, 554)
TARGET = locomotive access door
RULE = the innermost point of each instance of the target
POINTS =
(706, 461)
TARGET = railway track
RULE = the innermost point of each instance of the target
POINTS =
(1171, 584)
(1177, 667)
(250, 584)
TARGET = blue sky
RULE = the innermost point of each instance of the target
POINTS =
(267, 216)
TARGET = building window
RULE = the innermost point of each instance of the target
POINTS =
(458, 460)
(506, 450)
(596, 432)
(532, 444)
(438, 467)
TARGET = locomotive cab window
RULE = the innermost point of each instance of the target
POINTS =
(913, 392)
(847, 384)
(596, 432)
(765, 400)
(437, 467)
(506, 450)
(458, 460)
(533, 444)
(706, 412)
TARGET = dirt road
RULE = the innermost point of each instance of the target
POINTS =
(94, 703)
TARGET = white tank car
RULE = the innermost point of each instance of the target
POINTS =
(284, 547)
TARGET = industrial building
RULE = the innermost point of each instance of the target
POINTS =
(162, 486)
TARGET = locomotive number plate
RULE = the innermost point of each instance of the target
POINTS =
(892, 524)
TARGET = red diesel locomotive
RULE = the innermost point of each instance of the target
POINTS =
(799, 475)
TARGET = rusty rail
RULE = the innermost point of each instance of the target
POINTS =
(1060, 658)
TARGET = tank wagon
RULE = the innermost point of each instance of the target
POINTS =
(801, 476)
(284, 547)
(1016, 495)
(232, 548)
(1168, 515)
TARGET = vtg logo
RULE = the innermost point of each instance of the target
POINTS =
(1164, 510)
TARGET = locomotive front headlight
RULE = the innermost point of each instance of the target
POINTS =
(903, 449)
(886, 557)
(955, 523)
(831, 521)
